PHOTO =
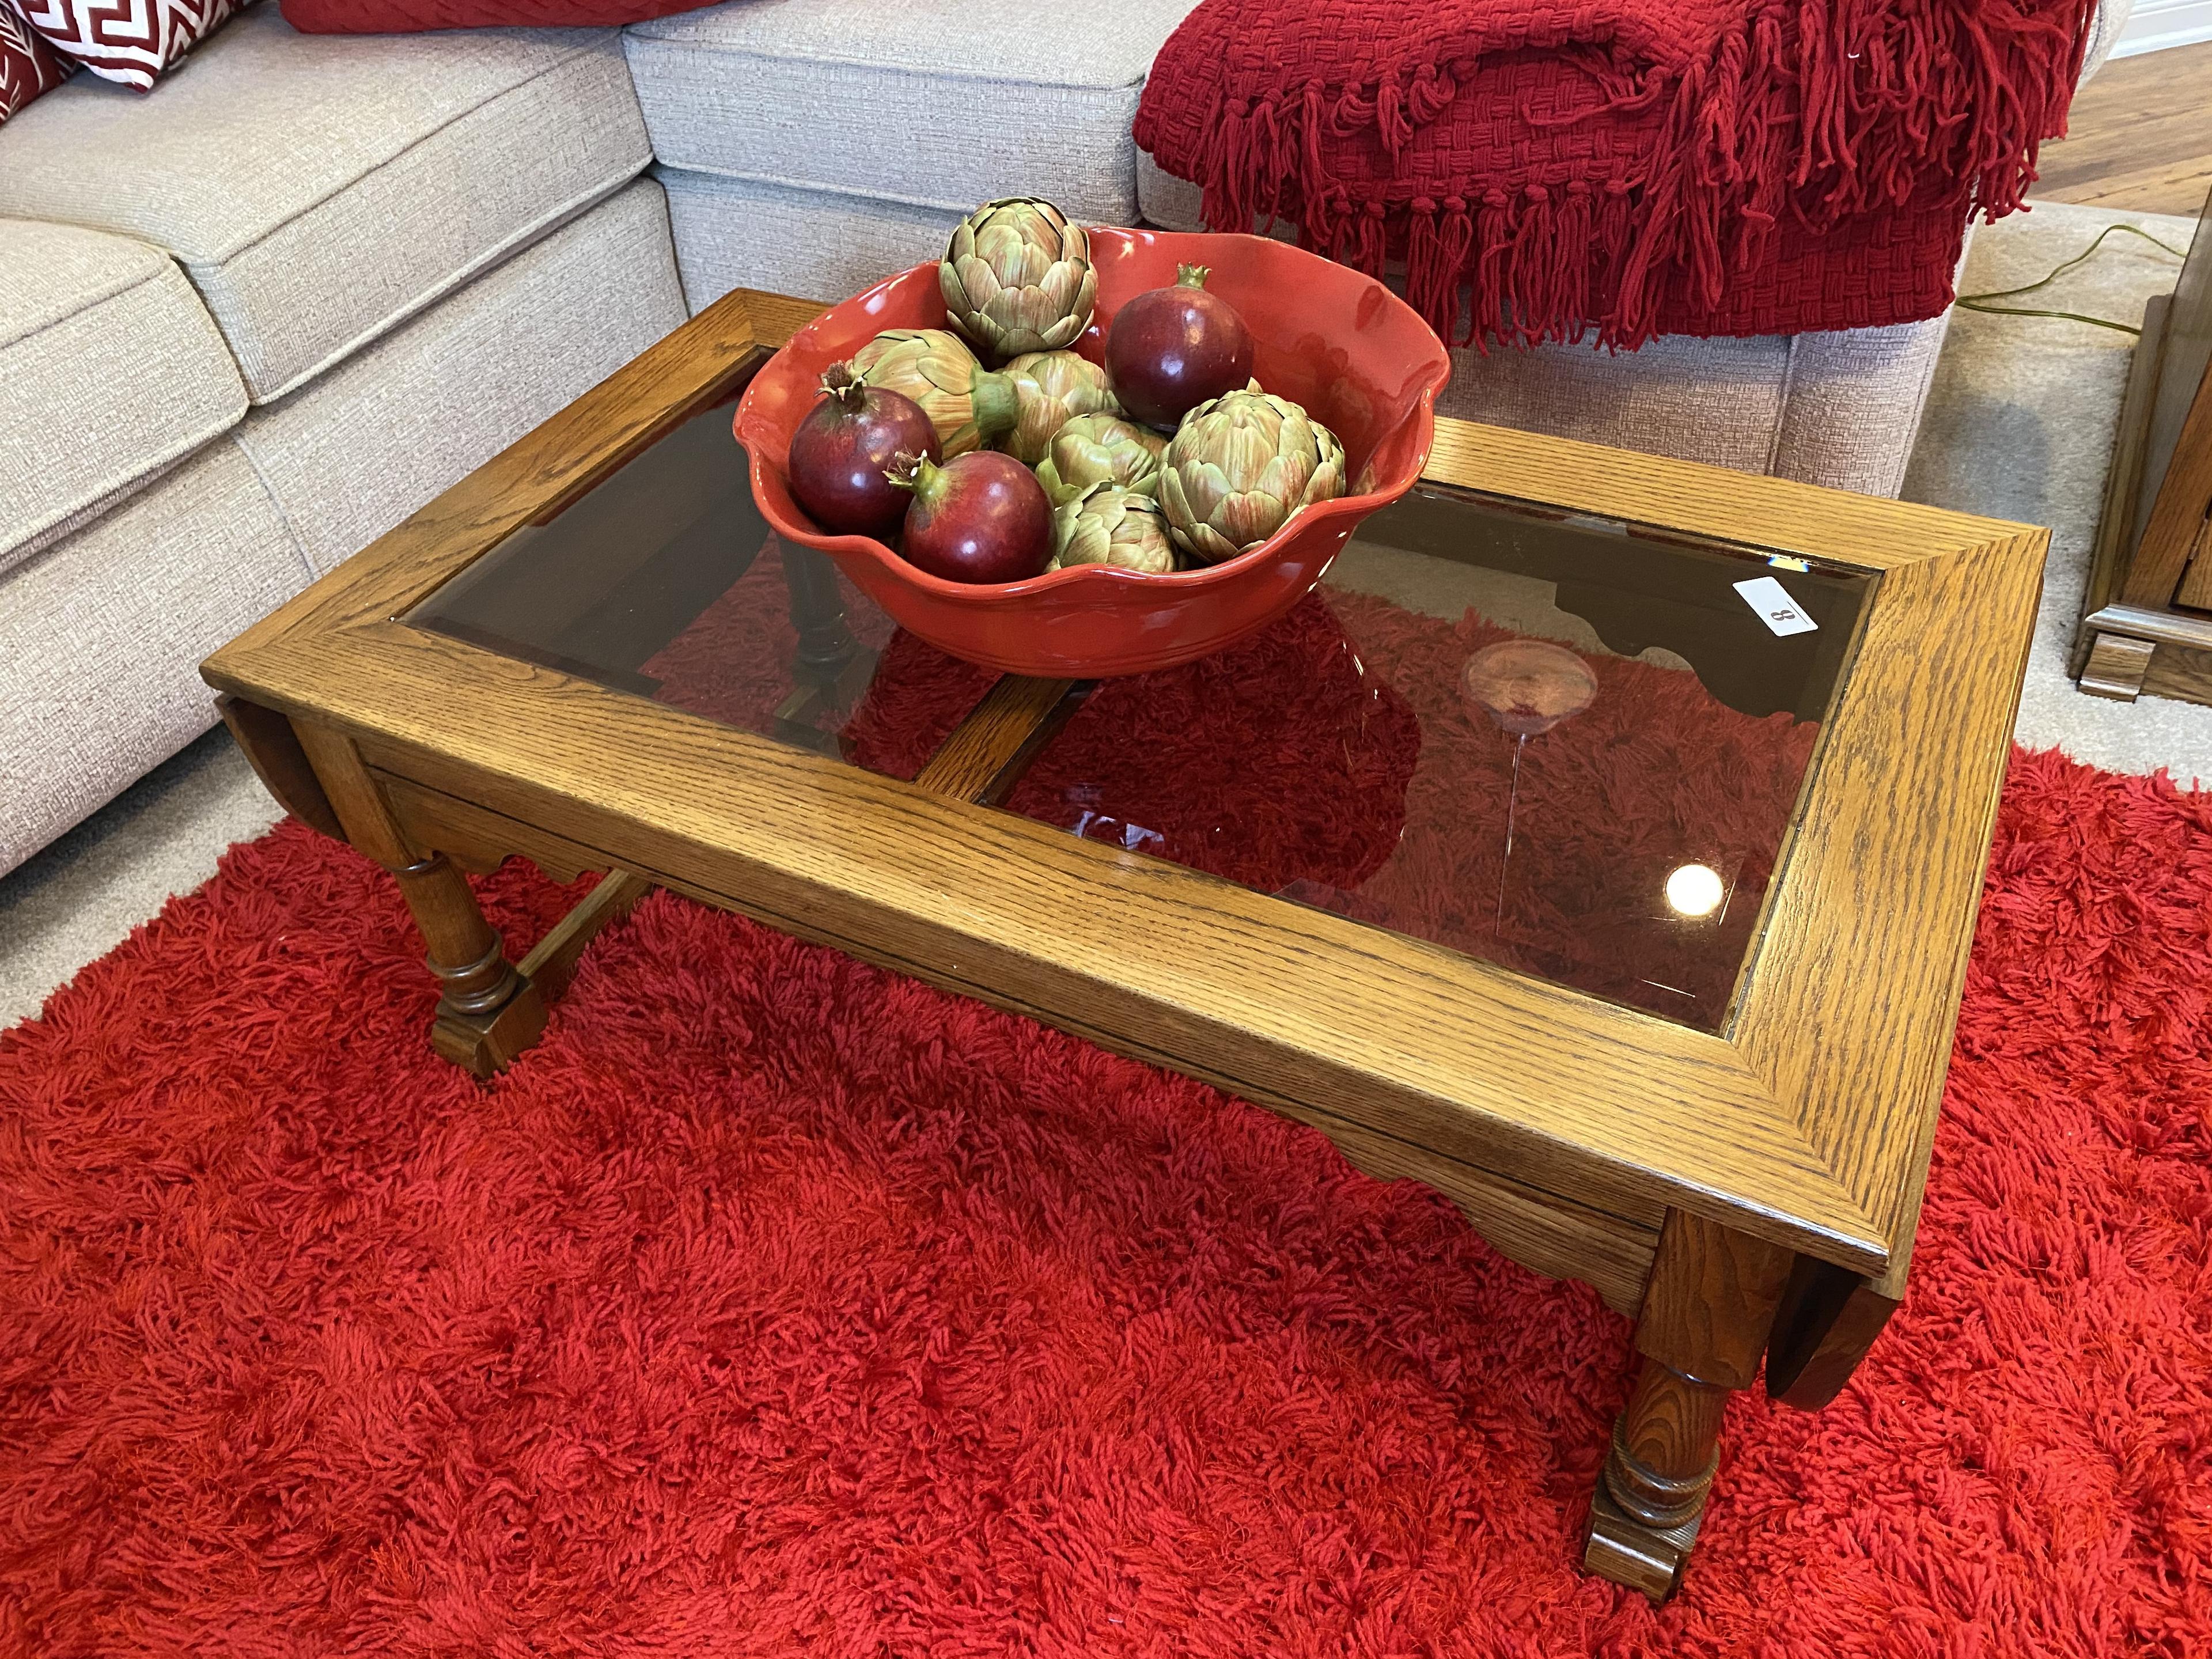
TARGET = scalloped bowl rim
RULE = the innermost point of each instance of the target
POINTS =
(751, 430)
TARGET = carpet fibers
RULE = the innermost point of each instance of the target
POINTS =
(776, 1304)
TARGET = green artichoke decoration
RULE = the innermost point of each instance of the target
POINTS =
(1239, 467)
(1110, 526)
(1017, 278)
(1096, 449)
(1051, 388)
(965, 402)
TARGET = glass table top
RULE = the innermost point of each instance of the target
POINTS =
(1564, 745)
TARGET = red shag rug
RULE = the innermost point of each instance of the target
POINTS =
(777, 1305)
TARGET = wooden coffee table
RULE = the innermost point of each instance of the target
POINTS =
(1661, 994)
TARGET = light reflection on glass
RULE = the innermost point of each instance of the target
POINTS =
(1695, 890)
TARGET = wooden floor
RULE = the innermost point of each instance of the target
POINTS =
(2140, 137)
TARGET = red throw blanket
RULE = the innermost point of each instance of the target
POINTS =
(1628, 167)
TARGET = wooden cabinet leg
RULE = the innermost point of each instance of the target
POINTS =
(2115, 667)
(488, 1013)
(1708, 1309)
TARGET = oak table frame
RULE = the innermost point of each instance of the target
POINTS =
(1749, 1195)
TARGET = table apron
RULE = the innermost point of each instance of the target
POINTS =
(1547, 1232)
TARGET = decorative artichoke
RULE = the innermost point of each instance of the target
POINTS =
(1237, 469)
(965, 402)
(1109, 525)
(1051, 389)
(1017, 278)
(1095, 449)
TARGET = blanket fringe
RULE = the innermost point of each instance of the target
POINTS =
(1822, 110)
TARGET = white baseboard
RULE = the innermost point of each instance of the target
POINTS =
(2158, 24)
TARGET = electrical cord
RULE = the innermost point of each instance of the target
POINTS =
(1976, 301)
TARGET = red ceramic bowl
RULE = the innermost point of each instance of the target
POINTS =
(1354, 354)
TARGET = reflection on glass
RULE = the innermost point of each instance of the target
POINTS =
(1527, 686)
(1695, 889)
(664, 580)
(1561, 743)
(1542, 740)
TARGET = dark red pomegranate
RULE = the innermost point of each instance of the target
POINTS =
(843, 447)
(1171, 349)
(981, 517)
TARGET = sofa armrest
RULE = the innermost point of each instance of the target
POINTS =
(2105, 29)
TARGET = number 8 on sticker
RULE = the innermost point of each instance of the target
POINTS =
(1774, 606)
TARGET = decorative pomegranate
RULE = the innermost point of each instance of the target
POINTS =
(981, 517)
(1170, 349)
(842, 450)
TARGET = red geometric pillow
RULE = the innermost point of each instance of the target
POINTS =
(128, 40)
(28, 66)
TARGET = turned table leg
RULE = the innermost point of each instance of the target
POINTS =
(1707, 1310)
(488, 1012)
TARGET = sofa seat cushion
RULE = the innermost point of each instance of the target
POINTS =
(101, 637)
(1835, 407)
(932, 104)
(320, 189)
(110, 373)
(102, 633)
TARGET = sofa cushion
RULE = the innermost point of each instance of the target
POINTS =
(110, 371)
(320, 189)
(733, 233)
(1165, 200)
(1837, 407)
(351, 455)
(933, 103)
(101, 635)
(1854, 401)
(102, 638)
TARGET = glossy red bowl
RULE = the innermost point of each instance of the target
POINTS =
(1337, 342)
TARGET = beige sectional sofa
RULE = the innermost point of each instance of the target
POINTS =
(253, 318)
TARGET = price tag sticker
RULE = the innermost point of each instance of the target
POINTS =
(1781, 613)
